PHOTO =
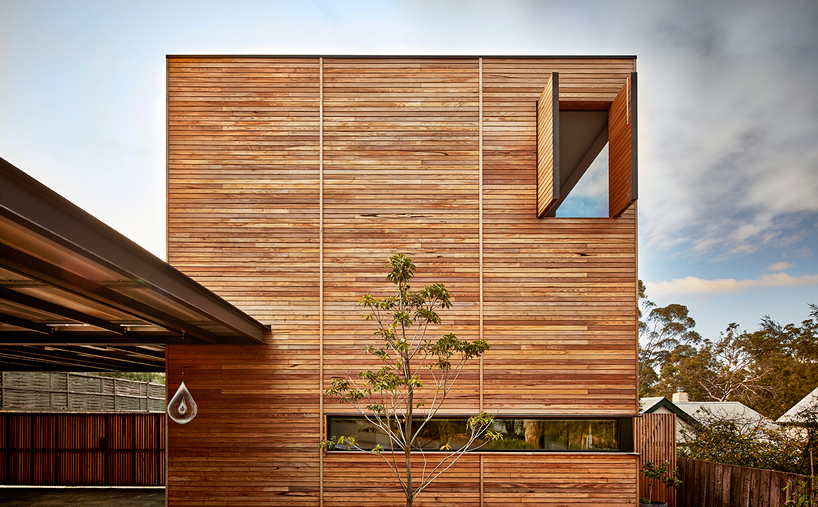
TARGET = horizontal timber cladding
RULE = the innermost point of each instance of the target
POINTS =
(576, 480)
(559, 294)
(243, 158)
(254, 440)
(401, 174)
(371, 483)
(243, 220)
(273, 160)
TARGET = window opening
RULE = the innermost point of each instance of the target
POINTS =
(519, 434)
(589, 197)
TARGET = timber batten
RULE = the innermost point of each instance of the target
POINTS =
(292, 180)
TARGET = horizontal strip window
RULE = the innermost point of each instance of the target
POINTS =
(519, 434)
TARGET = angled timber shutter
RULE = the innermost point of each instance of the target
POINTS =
(548, 147)
(622, 182)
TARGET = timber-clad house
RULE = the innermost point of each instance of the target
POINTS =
(291, 180)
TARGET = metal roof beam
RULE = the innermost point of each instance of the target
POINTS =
(115, 355)
(32, 204)
(25, 324)
(66, 359)
(55, 309)
(89, 338)
(30, 266)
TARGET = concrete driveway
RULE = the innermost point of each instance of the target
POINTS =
(81, 497)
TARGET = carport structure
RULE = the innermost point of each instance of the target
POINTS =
(75, 295)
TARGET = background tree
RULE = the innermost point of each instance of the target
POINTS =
(788, 357)
(661, 330)
(156, 378)
(687, 368)
(402, 397)
(768, 370)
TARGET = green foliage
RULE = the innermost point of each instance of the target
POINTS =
(660, 473)
(661, 330)
(412, 366)
(768, 370)
(801, 493)
(742, 442)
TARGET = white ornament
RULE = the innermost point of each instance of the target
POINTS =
(182, 408)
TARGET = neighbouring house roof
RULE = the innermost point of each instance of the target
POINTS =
(807, 402)
(722, 409)
(692, 411)
(654, 404)
(77, 295)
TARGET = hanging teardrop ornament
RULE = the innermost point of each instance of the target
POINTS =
(182, 408)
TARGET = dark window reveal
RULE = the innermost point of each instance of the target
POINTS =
(519, 434)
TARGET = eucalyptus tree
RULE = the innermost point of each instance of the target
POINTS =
(401, 398)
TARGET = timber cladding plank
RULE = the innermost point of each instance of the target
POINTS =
(243, 183)
(622, 150)
(397, 141)
(243, 220)
(558, 293)
(400, 175)
(548, 147)
(559, 480)
(370, 482)
(255, 436)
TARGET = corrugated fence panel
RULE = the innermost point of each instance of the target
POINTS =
(82, 449)
(656, 442)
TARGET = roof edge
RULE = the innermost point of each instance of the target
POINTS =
(542, 57)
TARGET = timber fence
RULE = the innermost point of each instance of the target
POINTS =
(22, 391)
(708, 484)
(102, 449)
(656, 443)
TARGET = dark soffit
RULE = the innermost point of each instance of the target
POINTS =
(76, 294)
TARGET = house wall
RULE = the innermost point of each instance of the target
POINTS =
(292, 180)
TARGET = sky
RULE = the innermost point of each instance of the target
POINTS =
(728, 115)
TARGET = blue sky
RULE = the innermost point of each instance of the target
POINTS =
(728, 115)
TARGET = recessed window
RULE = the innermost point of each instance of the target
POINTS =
(519, 434)
(586, 154)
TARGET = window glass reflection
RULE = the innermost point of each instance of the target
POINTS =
(518, 434)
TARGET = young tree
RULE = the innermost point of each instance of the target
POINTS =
(394, 398)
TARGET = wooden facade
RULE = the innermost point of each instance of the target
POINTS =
(292, 180)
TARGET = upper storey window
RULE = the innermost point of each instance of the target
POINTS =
(574, 139)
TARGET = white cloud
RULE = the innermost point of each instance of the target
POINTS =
(780, 266)
(696, 285)
(729, 157)
(799, 253)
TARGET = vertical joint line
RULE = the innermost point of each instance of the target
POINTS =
(628, 101)
(480, 218)
(481, 480)
(321, 277)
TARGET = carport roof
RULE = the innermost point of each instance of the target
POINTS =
(77, 295)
